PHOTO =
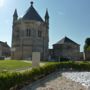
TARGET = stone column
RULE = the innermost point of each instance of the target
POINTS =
(35, 59)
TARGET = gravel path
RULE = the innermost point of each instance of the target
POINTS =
(80, 77)
(61, 83)
(55, 81)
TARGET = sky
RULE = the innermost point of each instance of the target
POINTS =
(69, 18)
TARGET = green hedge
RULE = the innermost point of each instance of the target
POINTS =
(8, 80)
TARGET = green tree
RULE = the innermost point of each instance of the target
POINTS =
(87, 44)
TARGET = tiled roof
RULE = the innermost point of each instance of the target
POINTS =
(66, 40)
(32, 14)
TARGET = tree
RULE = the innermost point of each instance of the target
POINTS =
(87, 44)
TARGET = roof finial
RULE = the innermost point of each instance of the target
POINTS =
(31, 2)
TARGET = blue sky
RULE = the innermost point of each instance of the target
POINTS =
(69, 18)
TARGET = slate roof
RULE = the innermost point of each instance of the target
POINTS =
(4, 44)
(32, 14)
(66, 40)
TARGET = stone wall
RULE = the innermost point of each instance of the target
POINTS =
(24, 46)
(67, 50)
(5, 51)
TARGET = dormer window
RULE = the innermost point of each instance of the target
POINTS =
(28, 32)
(39, 33)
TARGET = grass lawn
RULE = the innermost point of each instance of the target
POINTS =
(12, 65)
(17, 65)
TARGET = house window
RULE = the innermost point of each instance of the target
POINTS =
(28, 32)
(39, 33)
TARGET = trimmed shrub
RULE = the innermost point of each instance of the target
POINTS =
(8, 80)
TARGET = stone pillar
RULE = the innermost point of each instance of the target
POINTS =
(13, 52)
(84, 56)
(35, 59)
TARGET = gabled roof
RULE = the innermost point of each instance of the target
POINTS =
(66, 40)
(4, 44)
(32, 14)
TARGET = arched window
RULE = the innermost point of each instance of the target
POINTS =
(17, 33)
(28, 32)
(39, 33)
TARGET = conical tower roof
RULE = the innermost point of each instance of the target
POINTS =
(32, 14)
(15, 13)
(47, 15)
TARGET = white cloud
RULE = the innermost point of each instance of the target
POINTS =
(1, 3)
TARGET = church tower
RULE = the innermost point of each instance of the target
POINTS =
(30, 34)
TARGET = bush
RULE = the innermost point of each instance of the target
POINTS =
(8, 80)
(64, 59)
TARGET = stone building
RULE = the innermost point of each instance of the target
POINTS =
(4, 49)
(30, 34)
(66, 48)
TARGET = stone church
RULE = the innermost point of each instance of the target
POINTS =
(30, 34)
